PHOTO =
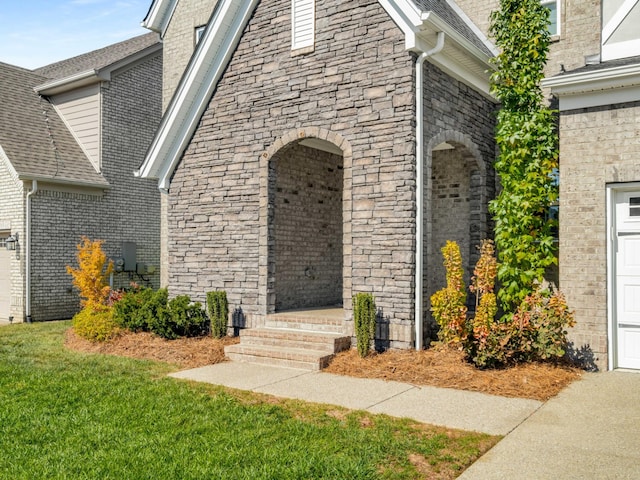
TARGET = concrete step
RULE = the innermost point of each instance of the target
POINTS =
(279, 356)
(302, 321)
(330, 342)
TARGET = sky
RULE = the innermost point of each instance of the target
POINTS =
(34, 33)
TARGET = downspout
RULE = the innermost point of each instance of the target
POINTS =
(34, 189)
(419, 303)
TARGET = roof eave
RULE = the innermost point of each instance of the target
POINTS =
(194, 91)
(64, 181)
(159, 16)
(606, 86)
(93, 76)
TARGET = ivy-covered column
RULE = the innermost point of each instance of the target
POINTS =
(528, 143)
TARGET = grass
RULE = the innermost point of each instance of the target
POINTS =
(68, 415)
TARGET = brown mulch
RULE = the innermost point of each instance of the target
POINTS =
(184, 352)
(442, 367)
(438, 367)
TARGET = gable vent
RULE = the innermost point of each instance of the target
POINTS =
(302, 23)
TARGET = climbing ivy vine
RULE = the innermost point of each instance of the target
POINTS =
(527, 139)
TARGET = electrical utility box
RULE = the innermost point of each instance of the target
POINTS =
(129, 255)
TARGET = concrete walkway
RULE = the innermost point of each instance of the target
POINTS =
(591, 430)
(437, 406)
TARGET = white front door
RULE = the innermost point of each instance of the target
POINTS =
(626, 321)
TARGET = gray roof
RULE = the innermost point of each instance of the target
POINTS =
(33, 136)
(620, 62)
(444, 11)
(98, 59)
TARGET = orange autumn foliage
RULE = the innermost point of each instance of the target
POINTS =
(91, 276)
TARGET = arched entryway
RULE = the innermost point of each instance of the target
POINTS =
(455, 207)
(305, 223)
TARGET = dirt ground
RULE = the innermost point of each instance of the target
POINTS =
(439, 367)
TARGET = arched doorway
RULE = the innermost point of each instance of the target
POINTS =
(305, 226)
(456, 209)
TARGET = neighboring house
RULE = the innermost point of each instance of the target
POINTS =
(288, 156)
(71, 135)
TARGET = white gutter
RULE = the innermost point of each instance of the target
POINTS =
(419, 301)
(34, 189)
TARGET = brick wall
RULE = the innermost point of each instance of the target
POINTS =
(579, 30)
(307, 199)
(128, 211)
(596, 150)
(12, 216)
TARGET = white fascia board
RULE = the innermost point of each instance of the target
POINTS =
(194, 92)
(60, 85)
(64, 181)
(595, 88)
(159, 16)
(406, 16)
(7, 162)
(106, 72)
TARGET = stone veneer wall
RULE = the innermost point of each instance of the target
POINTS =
(12, 215)
(358, 83)
(128, 211)
(178, 46)
(307, 227)
(598, 147)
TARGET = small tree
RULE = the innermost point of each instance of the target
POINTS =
(527, 138)
(218, 309)
(364, 318)
(91, 277)
(448, 305)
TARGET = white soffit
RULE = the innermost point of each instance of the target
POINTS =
(159, 16)
(595, 88)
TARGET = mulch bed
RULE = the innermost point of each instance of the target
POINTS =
(439, 367)
(442, 367)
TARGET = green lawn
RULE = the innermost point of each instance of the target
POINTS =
(69, 415)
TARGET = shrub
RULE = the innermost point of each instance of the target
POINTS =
(95, 324)
(543, 318)
(91, 276)
(138, 307)
(448, 304)
(364, 318)
(181, 318)
(218, 309)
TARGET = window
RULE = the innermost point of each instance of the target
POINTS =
(302, 24)
(620, 33)
(199, 32)
(554, 15)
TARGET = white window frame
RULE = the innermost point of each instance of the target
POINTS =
(558, 16)
(629, 48)
(303, 29)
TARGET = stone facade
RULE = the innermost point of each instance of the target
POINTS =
(128, 211)
(356, 92)
(178, 45)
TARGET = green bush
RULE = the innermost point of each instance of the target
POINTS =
(138, 307)
(218, 309)
(181, 318)
(95, 324)
(364, 318)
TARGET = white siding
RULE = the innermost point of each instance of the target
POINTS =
(80, 109)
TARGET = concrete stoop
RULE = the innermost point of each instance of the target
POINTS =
(305, 340)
